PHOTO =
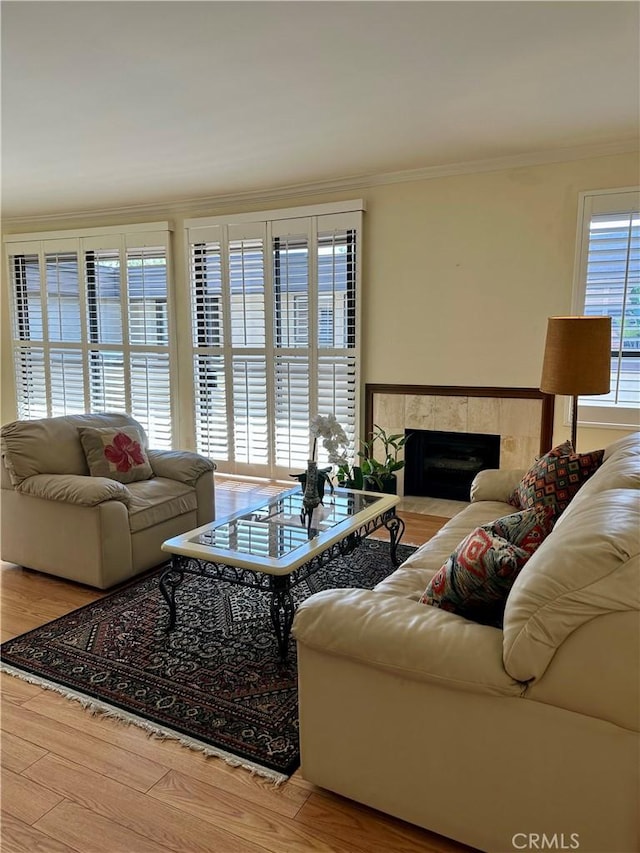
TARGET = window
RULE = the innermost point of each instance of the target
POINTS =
(608, 283)
(91, 324)
(274, 332)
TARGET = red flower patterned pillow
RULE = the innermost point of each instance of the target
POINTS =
(477, 577)
(115, 453)
(555, 478)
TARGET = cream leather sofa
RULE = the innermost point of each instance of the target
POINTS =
(57, 519)
(497, 738)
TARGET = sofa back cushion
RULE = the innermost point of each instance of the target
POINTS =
(620, 470)
(52, 445)
(588, 566)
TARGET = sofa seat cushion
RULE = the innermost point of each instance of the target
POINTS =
(157, 500)
(116, 452)
(52, 445)
(415, 573)
(588, 566)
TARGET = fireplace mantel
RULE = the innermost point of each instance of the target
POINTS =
(522, 417)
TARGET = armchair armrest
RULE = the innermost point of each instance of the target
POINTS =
(407, 638)
(495, 485)
(74, 489)
(181, 465)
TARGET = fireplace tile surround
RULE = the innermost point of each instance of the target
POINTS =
(522, 417)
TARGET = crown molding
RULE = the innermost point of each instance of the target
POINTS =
(221, 203)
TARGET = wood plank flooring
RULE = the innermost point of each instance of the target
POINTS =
(72, 781)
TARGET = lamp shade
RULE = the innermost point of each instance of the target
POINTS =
(577, 356)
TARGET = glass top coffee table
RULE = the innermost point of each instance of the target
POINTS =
(268, 546)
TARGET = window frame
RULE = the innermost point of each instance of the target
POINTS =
(591, 203)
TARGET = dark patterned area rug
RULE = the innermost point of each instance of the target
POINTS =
(216, 682)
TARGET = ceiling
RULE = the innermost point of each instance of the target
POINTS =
(114, 104)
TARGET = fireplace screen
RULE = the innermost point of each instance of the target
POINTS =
(443, 464)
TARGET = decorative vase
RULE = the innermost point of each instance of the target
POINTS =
(311, 497)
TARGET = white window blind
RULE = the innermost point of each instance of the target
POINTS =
(274, 333)
(608, 283)
(91, 324)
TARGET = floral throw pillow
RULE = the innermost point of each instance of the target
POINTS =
(477, 577)
(555, 478)
(115, 453)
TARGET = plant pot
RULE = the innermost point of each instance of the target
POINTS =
(388, 485)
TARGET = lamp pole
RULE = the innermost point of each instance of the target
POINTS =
(574, 420)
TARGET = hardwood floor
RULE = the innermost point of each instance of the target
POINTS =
(72, 781)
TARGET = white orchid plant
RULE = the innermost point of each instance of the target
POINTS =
(334, 438)
(336, 443)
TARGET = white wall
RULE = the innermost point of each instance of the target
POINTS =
(460, 273)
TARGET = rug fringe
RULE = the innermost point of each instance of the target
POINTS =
(153, 730)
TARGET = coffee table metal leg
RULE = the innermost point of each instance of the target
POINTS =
(395, 526)
(170, 579)
(282, 610)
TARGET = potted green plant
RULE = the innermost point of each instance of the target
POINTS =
(349, 476)
(379, 474)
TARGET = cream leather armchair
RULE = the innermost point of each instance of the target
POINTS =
(57, 518)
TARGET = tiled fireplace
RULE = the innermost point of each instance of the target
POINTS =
(441, 464)
(520, 418)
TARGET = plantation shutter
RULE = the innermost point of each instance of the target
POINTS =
(274, 334)
(29, 335)
(337, 321)
(148, 315)
(62, 309)
(610, 283)
(91, 325)
(208, 338)
(28, 323)
(294, 335)
(248, 350)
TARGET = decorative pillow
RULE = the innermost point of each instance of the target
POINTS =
(117, 453)
(555, 478)
(477, 577)
(526, 529)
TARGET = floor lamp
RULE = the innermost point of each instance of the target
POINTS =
(577, 360)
